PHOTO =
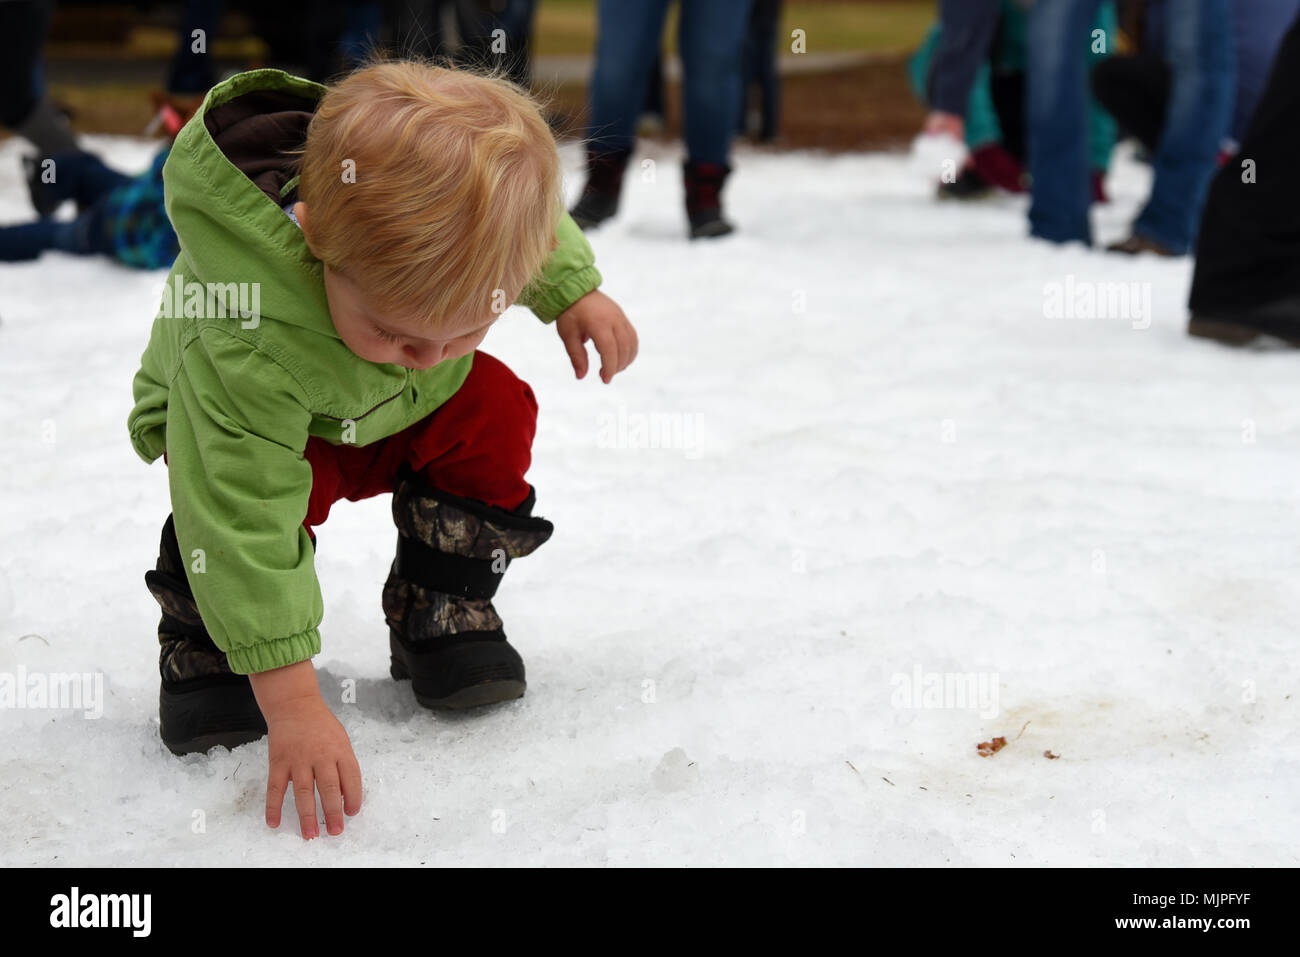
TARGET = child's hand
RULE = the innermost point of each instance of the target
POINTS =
(308, 746)
(597, 317)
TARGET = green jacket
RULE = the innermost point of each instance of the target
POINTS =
(232, 397)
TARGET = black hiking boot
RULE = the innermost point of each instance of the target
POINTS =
(444, 633)
(599, 199)
(202, 704)
(704, 199)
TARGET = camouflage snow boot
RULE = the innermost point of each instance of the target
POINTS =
(444, 633)
(202, 704)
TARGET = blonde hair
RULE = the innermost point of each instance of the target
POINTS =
(456, 193)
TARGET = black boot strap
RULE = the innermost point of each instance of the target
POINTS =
(447, 573)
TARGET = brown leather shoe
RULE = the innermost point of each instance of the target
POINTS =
(1136, 244)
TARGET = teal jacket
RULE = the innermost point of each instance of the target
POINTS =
(232, 397)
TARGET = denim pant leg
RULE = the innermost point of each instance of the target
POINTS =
(81, 176)
(1202, 62)
(28, 241)
(711, 38)
(1060, 34)
(628, 37)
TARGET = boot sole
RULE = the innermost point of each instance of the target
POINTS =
(219, 714)
(468, 675)
(1232, 334)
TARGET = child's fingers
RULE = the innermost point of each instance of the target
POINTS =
(627, 345)
(304, 799)
(575, 346)
(607, 345)
(277, 780)
(331, 797)
(350, 779)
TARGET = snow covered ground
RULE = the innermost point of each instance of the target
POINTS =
(898, 469)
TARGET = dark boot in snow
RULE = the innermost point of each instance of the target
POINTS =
(599, 200)
(1242, 326)
(704, 199)
(201, 704)
(43, 201)
(443, 631)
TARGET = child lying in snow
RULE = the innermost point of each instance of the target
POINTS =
(384, 224)
(118, 215)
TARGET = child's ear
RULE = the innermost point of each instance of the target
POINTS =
(300, 211)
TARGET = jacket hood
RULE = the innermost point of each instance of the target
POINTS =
(228, 174)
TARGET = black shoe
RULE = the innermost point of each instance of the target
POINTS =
(1279, 319)
(1135, 245)
(444, 633)
(599, 199)
(202, 704)
(968, 186)
(704, 199)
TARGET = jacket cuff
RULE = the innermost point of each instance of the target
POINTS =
(276, 653)
(560, 296)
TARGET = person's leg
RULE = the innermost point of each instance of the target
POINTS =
(1135, 90)
(476, 445)
(711, 38)
(79, 176)
(463, 512)
(1248, 252)
(25, 105)
(629, 33)
(627, 42)
(28, 240)
(1059, 39)
(1201, 61)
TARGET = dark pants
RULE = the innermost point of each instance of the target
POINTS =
(78, 176)
(760, 67)
(23, 25)
(1202, 64)
(1135, 90)
(1249, 249)
(711, 38)
(477, 445)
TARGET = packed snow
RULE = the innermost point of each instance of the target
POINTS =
(876, 490)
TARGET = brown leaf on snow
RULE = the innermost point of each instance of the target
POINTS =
(1050, 755)
(986, 748)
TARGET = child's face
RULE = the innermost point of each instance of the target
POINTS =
(386, 338)
(392, 339)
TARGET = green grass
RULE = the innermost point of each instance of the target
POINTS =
(567, 27)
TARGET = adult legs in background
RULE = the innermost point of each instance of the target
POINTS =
(1201, 60)
(1135, 90)
(1247, 278)
(711, 37)
(627, 41)
(25, 107)
(1059, 40)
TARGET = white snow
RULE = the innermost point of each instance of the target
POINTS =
(889, 461)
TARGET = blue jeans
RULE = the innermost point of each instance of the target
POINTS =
(1200, 54)
(79, 176)
(711, 38)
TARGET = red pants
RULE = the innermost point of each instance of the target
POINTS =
(478, 444)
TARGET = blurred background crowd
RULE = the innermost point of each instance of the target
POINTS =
(1023, 96)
